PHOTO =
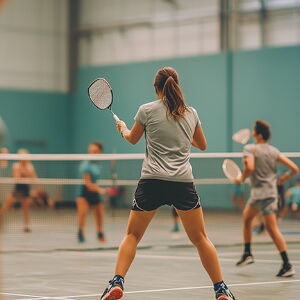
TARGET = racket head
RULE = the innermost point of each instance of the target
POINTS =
(231, 170)
(100, 93)
(242, 136)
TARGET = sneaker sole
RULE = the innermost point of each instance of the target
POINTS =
(288, 274)
(114, 294)
(245, 264)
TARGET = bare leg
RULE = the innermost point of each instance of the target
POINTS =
(8, 203)
(82, 209)
(284, 212)
(137, 225)
(248, 216)
(274, 232)
(26, 202)
(238, 201)
(99, 215)
(193, 223)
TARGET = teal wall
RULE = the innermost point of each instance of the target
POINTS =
(36, 116)
(229, 90)
(203, 82)
(266, 85)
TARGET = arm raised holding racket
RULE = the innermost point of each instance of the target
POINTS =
(248, 169)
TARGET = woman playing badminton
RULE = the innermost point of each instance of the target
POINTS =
(166, 178)
(21, 170)
(90, 194)
(260, 161)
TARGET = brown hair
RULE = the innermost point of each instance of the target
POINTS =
(167, 83)
(99, 145)
(263, 128)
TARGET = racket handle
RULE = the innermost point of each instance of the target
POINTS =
(115, 117)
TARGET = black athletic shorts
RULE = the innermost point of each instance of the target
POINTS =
(150, 194)
(93, 198)
(22, 190)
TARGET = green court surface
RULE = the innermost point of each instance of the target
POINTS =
(49, 264)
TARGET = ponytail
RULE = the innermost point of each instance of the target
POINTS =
(167, 84)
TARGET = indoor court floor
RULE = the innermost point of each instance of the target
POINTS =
(51, 265)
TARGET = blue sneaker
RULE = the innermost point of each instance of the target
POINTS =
(115, 289)
(223, 293)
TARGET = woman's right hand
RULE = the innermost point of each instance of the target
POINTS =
(120, 125)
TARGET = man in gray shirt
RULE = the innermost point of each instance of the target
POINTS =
(260, 161)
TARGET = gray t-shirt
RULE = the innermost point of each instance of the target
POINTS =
(168, 142)
(263, 179)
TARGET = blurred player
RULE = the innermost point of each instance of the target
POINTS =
(175, 217)
(41, 199)
(172, 128)
(293, 200)
(281, 196)
(238, 196)
(90, 194)
(3, 162)
(260, 160)
(20, 170)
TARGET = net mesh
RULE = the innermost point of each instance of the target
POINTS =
(56, 188)
(100, 93)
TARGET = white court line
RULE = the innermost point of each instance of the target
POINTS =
(183, 288)
(171, 257)
(268, 261)
(257, 252)
(39, 298)
(46, 298)
(23, 295)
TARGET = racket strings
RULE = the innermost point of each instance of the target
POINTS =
(231, 169)
(100, 94)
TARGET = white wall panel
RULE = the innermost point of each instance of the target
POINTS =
(249, 33)
(283, 29)
(282, 24)
(140, 30)
(33, 52)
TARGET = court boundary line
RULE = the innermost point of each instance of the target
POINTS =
(22, 295)
(144, 247)
(170, 289)
(190, 258)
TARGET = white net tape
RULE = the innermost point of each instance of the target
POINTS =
(112, 157)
